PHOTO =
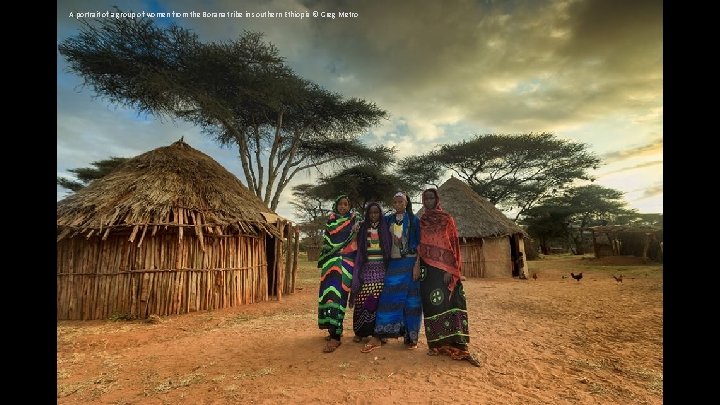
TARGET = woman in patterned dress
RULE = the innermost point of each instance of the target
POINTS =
(336, 265)
(443, 299)
(368, 276)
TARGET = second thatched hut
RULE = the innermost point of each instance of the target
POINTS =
(168, 232)
(491, 245)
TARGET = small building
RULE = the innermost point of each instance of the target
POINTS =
(491, 244)
(627, 240)
(170, 231)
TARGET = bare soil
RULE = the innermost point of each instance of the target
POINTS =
(550, 340)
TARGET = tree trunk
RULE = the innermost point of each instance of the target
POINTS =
(579, 250)
(544, 248)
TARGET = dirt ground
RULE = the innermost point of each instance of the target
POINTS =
(552, 340)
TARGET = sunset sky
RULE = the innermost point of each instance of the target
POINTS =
(589, 71)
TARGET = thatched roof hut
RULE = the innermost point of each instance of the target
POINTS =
(490, 243)
(169, 231)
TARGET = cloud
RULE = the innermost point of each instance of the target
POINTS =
(655, 190)
(634, 167)
(591, 70)
(512, 66)
(651, 149)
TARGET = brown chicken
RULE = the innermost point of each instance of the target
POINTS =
(534, 276)
(576, 276)
(618, 278)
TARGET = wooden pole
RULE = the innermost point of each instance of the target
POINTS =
(646, 246)
(296, 251)
(595, 246)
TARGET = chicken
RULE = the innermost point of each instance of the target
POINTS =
(576, 276)
(534, 276)
(618, 278)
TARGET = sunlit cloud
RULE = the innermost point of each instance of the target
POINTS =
(652, 149)
(586, 70)
(634, 167)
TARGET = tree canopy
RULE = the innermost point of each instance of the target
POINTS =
(311, 209)
(515, 172)
(363, 184)
(87, 174)
(241, 92)
(570, 214)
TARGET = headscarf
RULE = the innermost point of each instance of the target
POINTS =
(410, 223)
(361, 256)
(439, 246)
(408, 203)
(338, 232)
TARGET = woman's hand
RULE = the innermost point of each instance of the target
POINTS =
(416, 271)
(356, 227)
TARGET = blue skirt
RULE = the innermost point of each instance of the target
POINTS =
(399, 312)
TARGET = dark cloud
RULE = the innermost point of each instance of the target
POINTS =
(483, 66)
(614, 29)
(512, 68)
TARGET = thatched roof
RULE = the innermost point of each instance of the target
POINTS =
(475, 216)
(171, 186)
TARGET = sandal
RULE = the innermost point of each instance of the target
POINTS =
(473, 360)
(369, 347)
(330, 346)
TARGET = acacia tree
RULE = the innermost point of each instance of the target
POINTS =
(311, 209)
(576, 210)
(362, 184)
(419, 171)
(240, 92)
(592, 205)
(514, 172)
(87, 174)
(546, 223)
(641, 219)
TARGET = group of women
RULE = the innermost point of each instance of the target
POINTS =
(392, 270)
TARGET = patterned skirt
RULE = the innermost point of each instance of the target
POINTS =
(399, 311)
(366, 302)
(445, 315)
(335, 282)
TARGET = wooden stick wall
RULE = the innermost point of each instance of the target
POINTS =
(471, 254)
(97, 279)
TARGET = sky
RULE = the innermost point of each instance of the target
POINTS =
(588, 71)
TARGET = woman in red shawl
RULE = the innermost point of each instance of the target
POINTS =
(443, 299)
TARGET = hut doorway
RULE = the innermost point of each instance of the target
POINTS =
(281, 258)
(515, 254)
(272, 263)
